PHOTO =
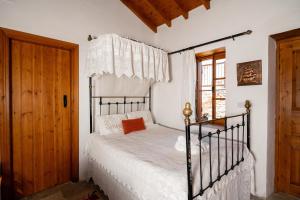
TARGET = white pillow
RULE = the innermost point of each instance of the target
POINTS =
(145, 114)
(111, 124)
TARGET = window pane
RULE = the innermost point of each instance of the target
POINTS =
(209, 78)
(206, 72)
(220, 82)
(220, 68)
(207, 103)
(207, 62)
(221, 93)
(220, 108)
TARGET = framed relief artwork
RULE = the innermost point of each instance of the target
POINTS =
(249, 73)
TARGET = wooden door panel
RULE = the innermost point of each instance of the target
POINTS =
(295, 122)
(63, 120)
(48, 57)
(296, 80)
(26, 110)
(41, 125)
(16, 116)
(23, 103)
(38, 157)
(295, 164)
(66, 115)
(288, 176)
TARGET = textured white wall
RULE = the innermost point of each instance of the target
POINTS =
(73, 20)
(264, 17)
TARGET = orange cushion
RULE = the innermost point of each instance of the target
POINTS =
(131, 125)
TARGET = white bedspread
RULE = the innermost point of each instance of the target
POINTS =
(147, 164)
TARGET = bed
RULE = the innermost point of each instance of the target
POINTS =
(145, 165)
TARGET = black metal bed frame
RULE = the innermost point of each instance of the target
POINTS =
(245, 124)
(121, 101)
(228, 135)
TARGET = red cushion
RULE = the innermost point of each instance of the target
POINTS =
(131, 125)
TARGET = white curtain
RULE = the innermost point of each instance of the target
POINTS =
(188, 85)
(110, 85)
(112, 54)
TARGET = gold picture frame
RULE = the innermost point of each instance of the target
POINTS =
(249, 73)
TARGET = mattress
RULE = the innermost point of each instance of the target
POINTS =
(148, 166)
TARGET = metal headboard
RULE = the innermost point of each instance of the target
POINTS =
(117, 101)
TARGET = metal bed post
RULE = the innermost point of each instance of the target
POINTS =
(248, 106)
(187, 112)
(91, 106)
(229, 140)
(149, 99)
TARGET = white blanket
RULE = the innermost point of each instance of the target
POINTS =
(147, 164)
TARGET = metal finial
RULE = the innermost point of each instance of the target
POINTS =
(187, 112)
(248, 105)
(249, 32)
(90, 38)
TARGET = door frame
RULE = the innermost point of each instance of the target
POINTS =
(6, 35)
(278, 38)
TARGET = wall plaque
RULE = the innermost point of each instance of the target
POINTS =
(249, 73)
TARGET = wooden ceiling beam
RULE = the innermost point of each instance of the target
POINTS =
(184, 13)
(140, 15)
(206, 4)
(159, 12)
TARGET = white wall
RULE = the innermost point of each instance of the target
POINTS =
(73, 20)
(264, 17)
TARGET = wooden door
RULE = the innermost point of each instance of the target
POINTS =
(40, 116)
(288, 149)
(38, 111)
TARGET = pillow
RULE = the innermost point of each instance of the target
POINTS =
(145, 114)
(111, 124)
(131, 125)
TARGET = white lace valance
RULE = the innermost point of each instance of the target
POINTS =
(113, 54)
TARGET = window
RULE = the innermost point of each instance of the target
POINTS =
(211, 90)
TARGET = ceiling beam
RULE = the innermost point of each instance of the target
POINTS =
(159, 12)
(140, 15)
(184, 13)
(206, 4)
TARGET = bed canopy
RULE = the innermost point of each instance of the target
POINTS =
(114, 55)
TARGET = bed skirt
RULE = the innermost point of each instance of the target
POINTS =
(236, 188)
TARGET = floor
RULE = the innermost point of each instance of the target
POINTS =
(70, 191)
(83, 190)
(280, 196)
